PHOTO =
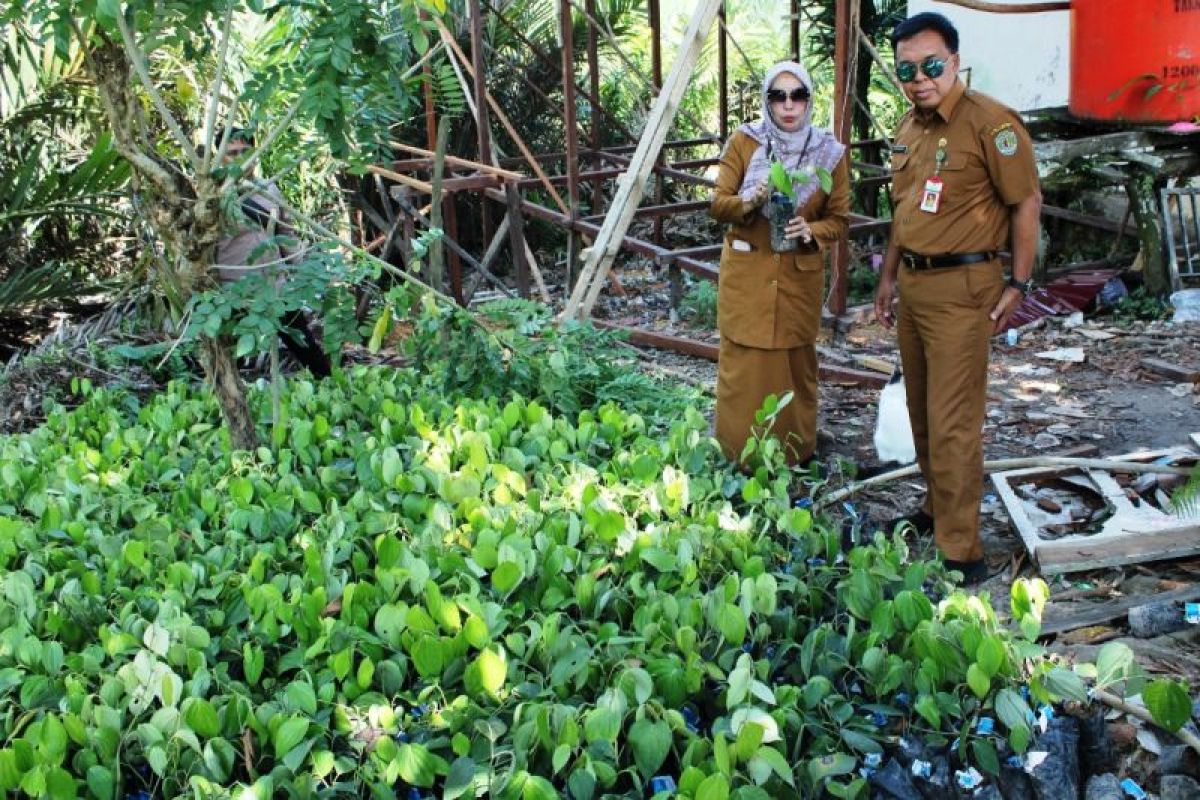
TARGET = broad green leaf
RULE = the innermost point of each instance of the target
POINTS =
(650, 742)
(927, 707)
(202, 718)
(460, 779)
(417, 766)
(427, 656)
(1012, 709)
(990, 656)
(493, 669)
(714, 787)
(1113, 663)
(538, 788)
(778, 763)
(732, 624)
(1066, 684)
(985, 756)
(831, 766)
(979, 681)
(860, 742)
(100, 782)
(1168, 702)
(289, 735)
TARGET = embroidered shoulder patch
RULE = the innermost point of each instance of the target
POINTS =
(1006, 141)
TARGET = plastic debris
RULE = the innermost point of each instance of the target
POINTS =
(921, 769)
(1178, 787)
(1155, 619)
(804, 502)
(1096, 753)
(894, 783)
(1070, 355)
(1187, 305)
(1112, 292)
(873, 760)
(985, 726)
(662, 783)
(691, 718)
(1191, 613)
(1056, 775)
(1104, 787)
(1130, 787)
(1012, 336)
(968, 779)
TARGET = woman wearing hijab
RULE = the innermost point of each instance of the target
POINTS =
(769, 303)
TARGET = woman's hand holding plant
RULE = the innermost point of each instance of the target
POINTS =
(757, 199)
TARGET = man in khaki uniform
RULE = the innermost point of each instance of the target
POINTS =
(964, 187)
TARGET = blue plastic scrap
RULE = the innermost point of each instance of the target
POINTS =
(1191, 613)
(1129, 785)
(985, 726)
(662, 783)
(969, 778)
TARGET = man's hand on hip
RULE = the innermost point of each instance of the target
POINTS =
(1004, 309)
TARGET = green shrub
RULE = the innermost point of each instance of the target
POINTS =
(699, 304)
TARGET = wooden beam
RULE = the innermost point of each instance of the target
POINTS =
(1090, 220)
(448, 38)
(1085, 616)
(1065, 150)
(604, 250)
(459, 162)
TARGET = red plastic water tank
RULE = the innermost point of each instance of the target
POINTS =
(1135, 60)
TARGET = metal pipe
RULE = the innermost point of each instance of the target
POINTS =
(593, 59)
(723, 73)
(1003, 8)
(481, 119)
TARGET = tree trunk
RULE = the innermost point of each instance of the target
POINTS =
(184, 212)
(230, 391)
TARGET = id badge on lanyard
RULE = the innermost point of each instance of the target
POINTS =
(931, 198)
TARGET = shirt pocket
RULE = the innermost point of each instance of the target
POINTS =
(956, 177)
(901, 171)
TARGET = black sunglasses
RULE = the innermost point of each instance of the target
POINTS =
(933, 67)
(798, 95)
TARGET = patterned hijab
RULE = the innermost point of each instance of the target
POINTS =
(806, 148)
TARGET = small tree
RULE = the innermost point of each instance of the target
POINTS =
(335, 66)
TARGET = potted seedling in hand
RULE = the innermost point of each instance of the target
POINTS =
(781, 207)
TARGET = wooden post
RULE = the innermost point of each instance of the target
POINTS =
(593, 59)
(1142, 188)
(570, 129)
(845, 48)
(601, 254)
(483, 127)
(723, 75)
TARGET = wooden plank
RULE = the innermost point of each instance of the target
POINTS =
(1131, 535)
(1172, 371)
(383, 172)
(1065, 150)
(604, 250)
(1100, 613)
(1090, 220)
(459, 162)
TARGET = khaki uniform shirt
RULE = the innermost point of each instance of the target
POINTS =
(987, 165)
(766, 299)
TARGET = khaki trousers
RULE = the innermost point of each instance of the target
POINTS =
(944, 332)
(746, 375)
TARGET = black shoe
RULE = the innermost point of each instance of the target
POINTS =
(973, 572)
(919, 521)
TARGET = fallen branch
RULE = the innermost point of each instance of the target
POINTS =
(1143, 713)
(1005, 464)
